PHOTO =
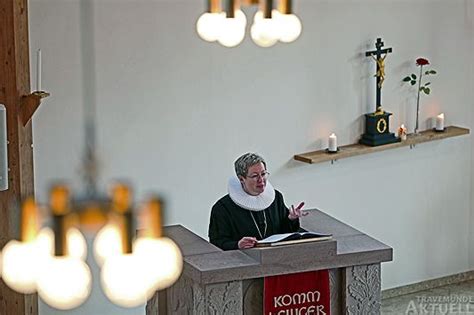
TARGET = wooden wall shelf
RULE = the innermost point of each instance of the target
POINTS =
(359, 149)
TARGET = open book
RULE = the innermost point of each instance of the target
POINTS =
(292, 238)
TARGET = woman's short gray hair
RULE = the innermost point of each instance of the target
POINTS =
(243, 163)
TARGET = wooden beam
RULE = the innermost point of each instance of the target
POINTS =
(14, 84)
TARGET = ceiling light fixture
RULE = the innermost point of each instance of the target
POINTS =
(269, 25)
(52, 260)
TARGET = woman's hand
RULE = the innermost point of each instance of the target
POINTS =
(247, 242)
(296, 213)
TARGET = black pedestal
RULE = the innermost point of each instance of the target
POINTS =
(377, 130)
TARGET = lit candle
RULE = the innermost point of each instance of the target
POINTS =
(38, 70)
(440, 122)
(402, 132)
(332, 147)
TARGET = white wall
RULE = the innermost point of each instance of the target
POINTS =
(174, 112)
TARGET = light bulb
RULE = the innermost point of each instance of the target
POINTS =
(208, 25)
(162, 260)
(232, 30)
(21, 261)
(45, 242)
(20, 266)
(264, 31)
(107, 243)
(64, 282)
(259, 15)
(240, 16)
(124, 281)
(289, 27)
(76, 243)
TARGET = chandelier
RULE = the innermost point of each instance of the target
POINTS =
(49, 255)
(269, 25)
(50, 260)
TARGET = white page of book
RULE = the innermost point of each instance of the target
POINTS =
(274, 238)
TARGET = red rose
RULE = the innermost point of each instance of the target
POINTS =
(422, 62)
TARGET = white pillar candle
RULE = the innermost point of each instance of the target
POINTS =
(38, 70)
(440, 122)
(332, 147)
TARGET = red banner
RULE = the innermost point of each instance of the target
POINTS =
(304, 293)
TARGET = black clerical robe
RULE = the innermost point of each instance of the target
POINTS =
(230, 222)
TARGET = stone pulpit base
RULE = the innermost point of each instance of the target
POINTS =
(231, 282)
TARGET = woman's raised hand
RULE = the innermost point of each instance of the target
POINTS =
(297, 212)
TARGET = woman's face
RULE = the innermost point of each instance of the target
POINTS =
(256, 180)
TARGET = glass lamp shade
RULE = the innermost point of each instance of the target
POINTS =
(259, 15)
(124, 281)
(233, 30)
(64, 282)
(20, 266)
(264, 32)
(107, 243)
(162, 260)
(22, 261)
(76, 242)
(289, 27)
(240, 16)
(208, 26)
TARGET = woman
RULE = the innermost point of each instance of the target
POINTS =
(252, 210)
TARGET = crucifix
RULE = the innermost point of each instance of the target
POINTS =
(377, 129)
(380, 74)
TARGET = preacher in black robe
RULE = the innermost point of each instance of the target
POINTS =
(253, 209)
(230, 222)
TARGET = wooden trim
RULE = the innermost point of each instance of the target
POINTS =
(359, 149)
(14, 83)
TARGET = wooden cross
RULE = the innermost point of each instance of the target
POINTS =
(380, 60)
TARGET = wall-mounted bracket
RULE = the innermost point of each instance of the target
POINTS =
(29, 105)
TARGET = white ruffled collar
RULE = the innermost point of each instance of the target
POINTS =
(249, 202)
